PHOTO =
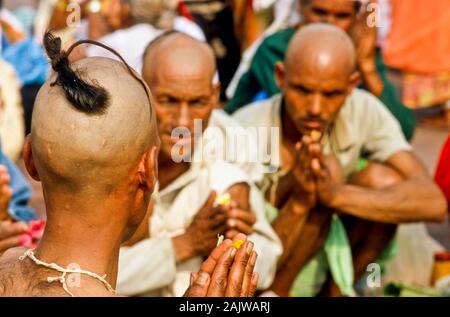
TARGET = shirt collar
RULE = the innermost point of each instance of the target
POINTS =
(341, 134)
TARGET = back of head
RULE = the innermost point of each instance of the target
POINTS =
(92, 122)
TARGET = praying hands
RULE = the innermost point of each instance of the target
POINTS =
(228, 271)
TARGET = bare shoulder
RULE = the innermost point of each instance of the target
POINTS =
(10, 272)
(24, 278)
(12, 254)
(21, 278)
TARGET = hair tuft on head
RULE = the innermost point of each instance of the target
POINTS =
(85, 97)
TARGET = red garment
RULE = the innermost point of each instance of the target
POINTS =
(442, 177)
(183, 10)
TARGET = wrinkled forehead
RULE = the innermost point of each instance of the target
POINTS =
(181, 77)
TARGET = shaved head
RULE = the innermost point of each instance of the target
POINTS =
(181, 55)
(317, 76)
(82, 151)
(322, 47)
(180, 71)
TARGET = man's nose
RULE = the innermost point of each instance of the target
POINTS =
(315, 107)
(329, 18)
(184, 119)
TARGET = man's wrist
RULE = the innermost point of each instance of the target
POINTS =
(302, 201)
(183, 250)
(338, 198)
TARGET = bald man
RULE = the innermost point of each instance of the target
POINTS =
(97, 172)
(185, 222)
(350, 16)
(326, 124)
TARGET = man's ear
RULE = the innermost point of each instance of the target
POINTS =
(126, 12)
(279, 74)
(354, 81)
(28, 159)
(148, 169)
(215, 96)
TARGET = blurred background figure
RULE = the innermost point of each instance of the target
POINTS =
(133, 24)
(12, 128)
(217, 20)
(127, 26)
(418, 45)
(24, 54)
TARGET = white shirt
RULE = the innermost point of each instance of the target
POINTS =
(131, 43)
(363, 125)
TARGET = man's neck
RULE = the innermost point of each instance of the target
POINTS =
(73, 239)
(288, 129)
(168, 170)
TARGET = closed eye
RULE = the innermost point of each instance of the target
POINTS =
(332, 94)
(342, 16)
(167, 100)
(319, 11)
(302, 89)
(199, 102)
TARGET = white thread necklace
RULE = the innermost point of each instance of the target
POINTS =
(62, 279)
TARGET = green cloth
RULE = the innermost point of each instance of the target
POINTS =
(362, 164)
(311, 278)
(260, 77)
(339, 257)
(335, 256)
(395, 289)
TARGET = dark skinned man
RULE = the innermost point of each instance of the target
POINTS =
(326, 124)
(369, 61)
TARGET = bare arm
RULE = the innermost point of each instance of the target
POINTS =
(302, 198)
(278, 196)
(417, 198)
(289, 224)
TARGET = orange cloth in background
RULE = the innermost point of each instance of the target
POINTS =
(419, 40)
